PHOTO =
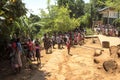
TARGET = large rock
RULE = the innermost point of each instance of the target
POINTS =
(118, 53)
(110, 65)
(113, 51)
(118, 45)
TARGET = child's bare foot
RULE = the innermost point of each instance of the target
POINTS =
(70, 54)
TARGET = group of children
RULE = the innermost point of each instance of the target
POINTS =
(29, 49)
(32, 49)
(108, 30)
(68, 39)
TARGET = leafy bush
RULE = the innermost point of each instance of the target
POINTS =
(89, 31)
(116, 22)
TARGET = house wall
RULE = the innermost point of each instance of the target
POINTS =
(112, 14)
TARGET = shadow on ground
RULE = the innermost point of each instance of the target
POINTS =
(26, 74)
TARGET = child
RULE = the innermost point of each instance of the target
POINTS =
(30, 49)
(37, 49)
(75, 38)
(68, 46)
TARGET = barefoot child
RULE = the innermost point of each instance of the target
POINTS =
(37, 49)
(68, 46)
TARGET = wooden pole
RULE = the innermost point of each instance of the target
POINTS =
(108, 17)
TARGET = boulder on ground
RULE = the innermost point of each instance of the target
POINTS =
(118, 45)
(110, 65)
(113, 50)
(118, 53)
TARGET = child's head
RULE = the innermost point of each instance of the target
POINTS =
(29, 40)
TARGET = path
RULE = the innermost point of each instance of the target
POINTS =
(62, 66)
(80, 66)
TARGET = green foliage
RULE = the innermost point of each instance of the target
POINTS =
(114, 4)
(10, 21)
(116, 22)
(94, 7)
(34, 18)
(11, 10)
(63, 22)
(85, 20)
(89, 31)
(87, 8)
(99, 4)
(58, 20)
(76, 7)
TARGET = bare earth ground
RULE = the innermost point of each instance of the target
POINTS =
(80, 66)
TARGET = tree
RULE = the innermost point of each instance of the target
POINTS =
(63, 22)
(10, 11)
(85, 20)
(9, 15)
(79, 8)
(87, 8)
(95, 6)
(98, 4)
(58, 20)
(76, 7)
(114, 4)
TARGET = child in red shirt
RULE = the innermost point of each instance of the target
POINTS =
(31, 49)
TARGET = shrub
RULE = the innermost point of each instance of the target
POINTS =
(89, 31)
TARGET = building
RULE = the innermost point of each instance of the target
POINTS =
(109, 15)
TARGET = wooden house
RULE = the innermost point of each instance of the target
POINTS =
(108, 15)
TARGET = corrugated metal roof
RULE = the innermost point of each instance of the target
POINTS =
(103, 9)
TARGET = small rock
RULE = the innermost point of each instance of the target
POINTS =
(98, 53)
(99, 67)
(96, 61)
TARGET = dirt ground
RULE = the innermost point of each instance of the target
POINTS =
(61, 66)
